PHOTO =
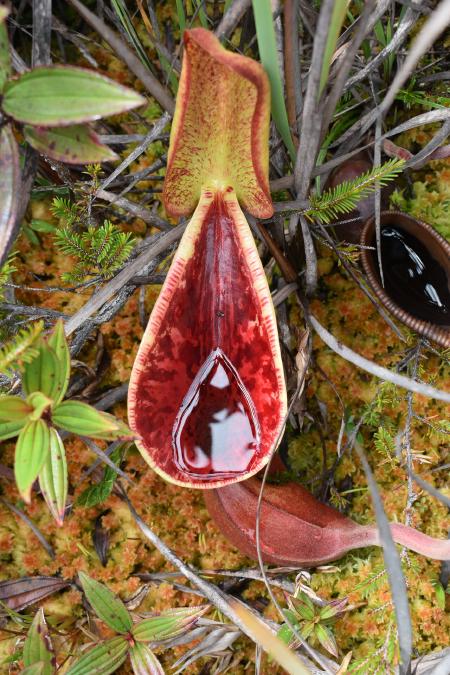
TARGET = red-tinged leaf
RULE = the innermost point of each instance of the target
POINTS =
(65, 95)
(21, 593)
(143, 661)
(43, 374)
(317, 533)
(207, 394)
(57, 341)
(76, 144)
(38, 645)
(9, 189)
(168, 624)
(103, 659)
(81, 418)
(53, 478)
(13, 409)
(326, 638)
(106, 605)
(220, 128)
(32, 448)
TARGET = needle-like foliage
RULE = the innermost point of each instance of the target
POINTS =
(344, 197)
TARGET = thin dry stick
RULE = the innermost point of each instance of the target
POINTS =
(135, 209)
(311, 652)
(286, 182)
(232, 17)
(393, 567)
(292, 66)
(134, 267)
(373, 368)
(152, 135)
(121, 50)
(434, 26)
(309, 139)
(311, 116)
(392, 47)
(211, 592)
(36, 531)
(366, 23)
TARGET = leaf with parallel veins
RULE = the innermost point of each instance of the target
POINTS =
(76, 144)
(64, 95)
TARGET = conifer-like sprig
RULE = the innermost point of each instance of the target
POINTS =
(100, 251)
(21, 349)
(344, 197)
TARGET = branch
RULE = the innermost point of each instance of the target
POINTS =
(375, 369)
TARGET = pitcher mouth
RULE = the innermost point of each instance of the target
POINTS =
(419, 301)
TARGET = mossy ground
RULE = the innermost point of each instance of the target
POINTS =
(178, 515)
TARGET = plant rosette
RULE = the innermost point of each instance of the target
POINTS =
(36, 419)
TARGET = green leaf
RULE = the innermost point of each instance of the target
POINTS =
(53, 478)
(32, 448)
(76, 144)
(103, 659)
(22, 349)
(304, 609)
(96, 494)
(326, 638)
(265, 33)
(63, 95)
(106, 605)
(143, 661)
(329, 611)
(57, 341)
(10, 429)
(10, 189)
(5, 59)
(35, 669)
(285, 634)
(440, 594)
(14, 409)
(38, 646)
(168, 624)
(83, 419)
(337, 19)
(43, 373)
(41, 226)
(40, 404)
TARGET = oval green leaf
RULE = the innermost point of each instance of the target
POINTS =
(13, 409)
(9, 190)
(44, 374)
(64, 95)
(83, 419)
(32, 448)
(106, 605)
(38, 647)
(168, 624)
(35, 669)
(57, 341)
(53, 478)
(76, 144)
(144, 661)
(10, 429)
(103, 659)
